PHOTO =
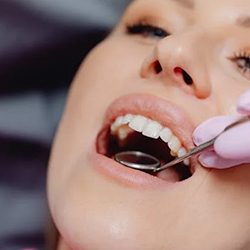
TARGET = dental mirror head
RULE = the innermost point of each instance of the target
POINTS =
(138, 160)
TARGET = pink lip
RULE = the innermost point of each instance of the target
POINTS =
(163, 111)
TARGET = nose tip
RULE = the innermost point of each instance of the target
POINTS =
(178, 60)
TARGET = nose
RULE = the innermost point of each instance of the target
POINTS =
(181, 60)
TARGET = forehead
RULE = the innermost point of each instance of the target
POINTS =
(192, 3)
(237, 11)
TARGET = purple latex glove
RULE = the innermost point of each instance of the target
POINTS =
(231, 148)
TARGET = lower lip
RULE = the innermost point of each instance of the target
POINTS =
(124, 175)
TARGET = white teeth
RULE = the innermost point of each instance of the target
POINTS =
(116, 124)
(182, 151)
(152, 129)
(138, 122)
(122, 132)
(120, 120)
(127, 118)
(174, 144)
(173, 153)
(166, 134)
(186, 162)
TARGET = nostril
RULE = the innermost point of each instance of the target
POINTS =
(157, 67)
(186, 77)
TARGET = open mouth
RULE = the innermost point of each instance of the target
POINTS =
(131, 132)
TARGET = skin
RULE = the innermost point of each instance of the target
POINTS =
(211, 211)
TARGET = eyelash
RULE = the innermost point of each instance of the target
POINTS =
(242, 61)
(146, 30)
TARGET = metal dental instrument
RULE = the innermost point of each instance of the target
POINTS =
(147, 162)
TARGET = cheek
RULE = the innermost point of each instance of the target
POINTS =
(117, 61)
(103, 75)
(226, 91)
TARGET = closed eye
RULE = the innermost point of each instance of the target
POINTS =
(146, 30)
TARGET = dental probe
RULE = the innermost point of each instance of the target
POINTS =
(143, 161)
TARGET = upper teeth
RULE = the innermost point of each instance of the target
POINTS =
(151, 129)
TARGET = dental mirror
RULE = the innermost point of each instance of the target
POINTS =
(137, 160)
(146, 162)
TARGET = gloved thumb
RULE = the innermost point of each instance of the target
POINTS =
(212, 127)
(210, 159)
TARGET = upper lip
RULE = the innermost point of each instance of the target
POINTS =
(165, 112)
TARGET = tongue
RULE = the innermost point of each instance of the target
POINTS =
(169, 175)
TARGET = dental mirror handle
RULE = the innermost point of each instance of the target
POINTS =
(201, 147)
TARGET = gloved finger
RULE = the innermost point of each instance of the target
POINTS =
(234, 143)
(212, 127)
(210, 159)
(243, 105)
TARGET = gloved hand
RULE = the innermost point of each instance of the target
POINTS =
(232, 147)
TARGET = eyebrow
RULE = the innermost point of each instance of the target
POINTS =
(243, 21)
(185, 3)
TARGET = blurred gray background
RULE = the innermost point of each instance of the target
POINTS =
(42, 43)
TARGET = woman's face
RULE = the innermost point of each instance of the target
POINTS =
(176, 62)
